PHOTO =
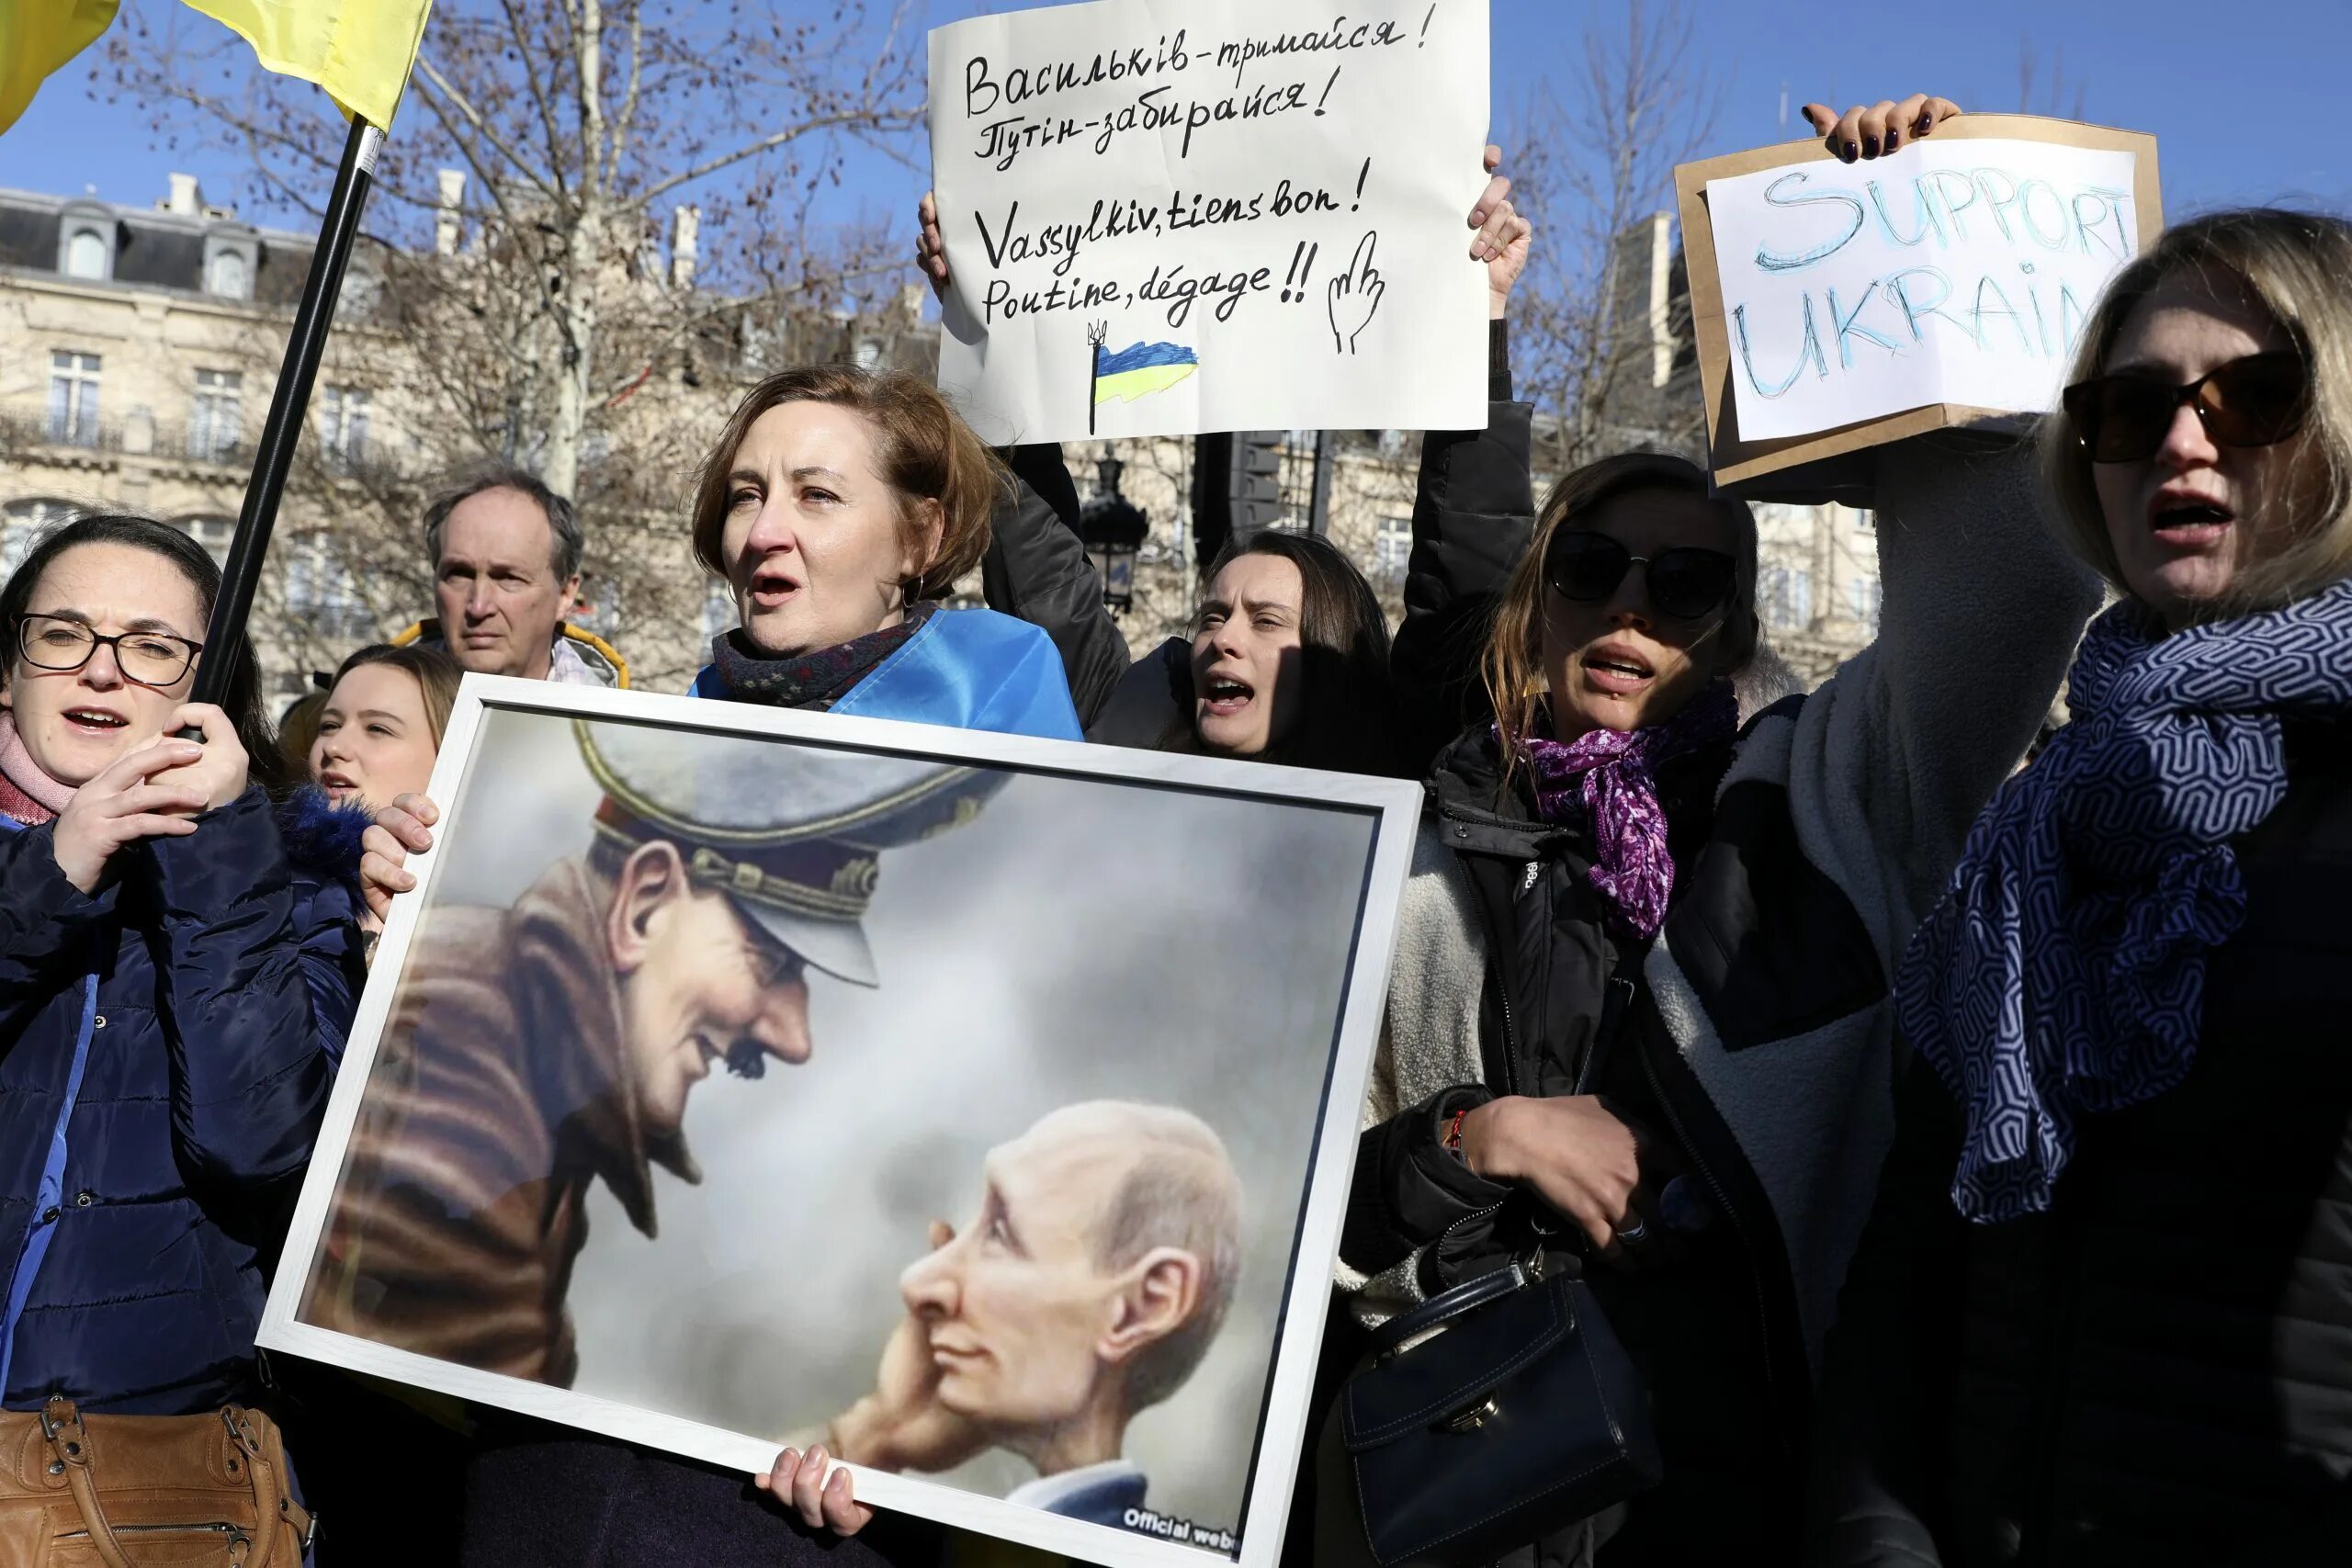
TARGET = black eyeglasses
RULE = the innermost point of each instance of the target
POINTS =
(2255, 402)
(1684, 583)
(145, 658)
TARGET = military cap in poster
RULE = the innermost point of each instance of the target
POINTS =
(793, 837)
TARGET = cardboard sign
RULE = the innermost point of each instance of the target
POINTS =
(1841, 306)
(872, 1155)
(1228, 215)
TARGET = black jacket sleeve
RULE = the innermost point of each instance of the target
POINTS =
(1886, 1370)
(1409, 1188)
(1037, 569)
(1474, 512)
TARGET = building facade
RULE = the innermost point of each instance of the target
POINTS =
(138, 354)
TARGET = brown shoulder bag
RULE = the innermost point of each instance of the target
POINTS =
(146, 1491)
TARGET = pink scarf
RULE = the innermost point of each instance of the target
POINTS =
(27, 794)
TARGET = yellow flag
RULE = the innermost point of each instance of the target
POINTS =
(360, 50)
(36, 37)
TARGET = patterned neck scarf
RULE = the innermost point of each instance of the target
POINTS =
(1610, 776)
(27, 793)
(2063, 972)
(815, 681)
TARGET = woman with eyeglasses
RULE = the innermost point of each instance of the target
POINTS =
(174, 992)
(2105, 1312)
(1639, 1022)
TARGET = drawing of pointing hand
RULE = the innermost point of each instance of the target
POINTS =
(1355, 296)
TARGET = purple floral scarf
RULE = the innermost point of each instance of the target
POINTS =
(1610, 776)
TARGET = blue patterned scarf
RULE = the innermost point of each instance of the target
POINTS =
(2064, 972)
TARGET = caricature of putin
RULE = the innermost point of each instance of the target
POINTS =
(1091, 1283)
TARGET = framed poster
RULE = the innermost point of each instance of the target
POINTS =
(984, 1104)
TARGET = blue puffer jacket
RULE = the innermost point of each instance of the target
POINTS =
(166, 1052)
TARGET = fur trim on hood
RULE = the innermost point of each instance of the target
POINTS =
(321, 837)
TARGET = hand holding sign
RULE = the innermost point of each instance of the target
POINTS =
(1862, 132)
(1355, 296)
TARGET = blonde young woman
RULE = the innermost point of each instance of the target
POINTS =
(2129, 1010)
(1639, 1022)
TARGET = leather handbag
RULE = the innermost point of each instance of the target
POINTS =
(146, 1491)
(1491, 1416)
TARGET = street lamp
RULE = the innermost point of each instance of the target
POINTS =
(1112, 529)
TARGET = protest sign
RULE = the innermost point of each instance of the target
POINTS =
(1164, 219)
(1839, 306)
(738, 1075)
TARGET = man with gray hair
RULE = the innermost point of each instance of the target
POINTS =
(505, 552)
(1091, 1283)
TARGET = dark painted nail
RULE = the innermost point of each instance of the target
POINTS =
(1869, 146)
(1852, 152)
(1894, 139)
(1927, 124)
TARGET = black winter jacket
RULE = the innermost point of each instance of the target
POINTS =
(1566, 1009)
(2158, 1371)
(167, 1047)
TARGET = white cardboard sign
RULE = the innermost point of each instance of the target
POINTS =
(1955, 272)
(1167, 217)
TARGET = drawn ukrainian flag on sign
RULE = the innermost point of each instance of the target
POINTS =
(1139, 371)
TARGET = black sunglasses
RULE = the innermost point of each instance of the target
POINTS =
(2255, 402)
(1684, 583)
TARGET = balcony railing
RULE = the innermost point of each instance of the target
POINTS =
(21, 428)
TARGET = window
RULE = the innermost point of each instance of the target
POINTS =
(1391, 547)
(74, 397)
(321, 595)
(86, 255)
(1861, 601)
(212, 533)
(1788, 598)
(22, 521)
(216, 416)
(718, 608)
(227, 275)
(342, 426)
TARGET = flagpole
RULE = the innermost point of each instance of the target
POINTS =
(283, 429)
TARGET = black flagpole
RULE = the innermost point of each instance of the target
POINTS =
(283, 429)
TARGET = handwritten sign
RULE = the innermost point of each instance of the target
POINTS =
(1168, 219)
(1952, 272)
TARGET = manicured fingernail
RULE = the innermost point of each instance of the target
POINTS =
(1894, 139)
(1869, 145)
(1926, 123)
(1852, 152)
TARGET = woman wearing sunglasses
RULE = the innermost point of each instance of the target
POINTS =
(1640, 1023)
(2102, 1314)
(173, 991)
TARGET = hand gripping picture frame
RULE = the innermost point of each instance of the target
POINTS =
(981, 1106)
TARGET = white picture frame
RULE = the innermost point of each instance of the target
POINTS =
(1142, 785)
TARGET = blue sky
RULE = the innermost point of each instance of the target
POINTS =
(2237, 96)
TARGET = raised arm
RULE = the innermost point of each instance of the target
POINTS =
(1037, 570)
(1979, 612)
(1474, 510)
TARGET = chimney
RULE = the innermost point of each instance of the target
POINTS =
(185, 198)
(685, 225)
(446, 216)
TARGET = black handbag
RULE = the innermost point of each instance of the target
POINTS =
(1518, 1416)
